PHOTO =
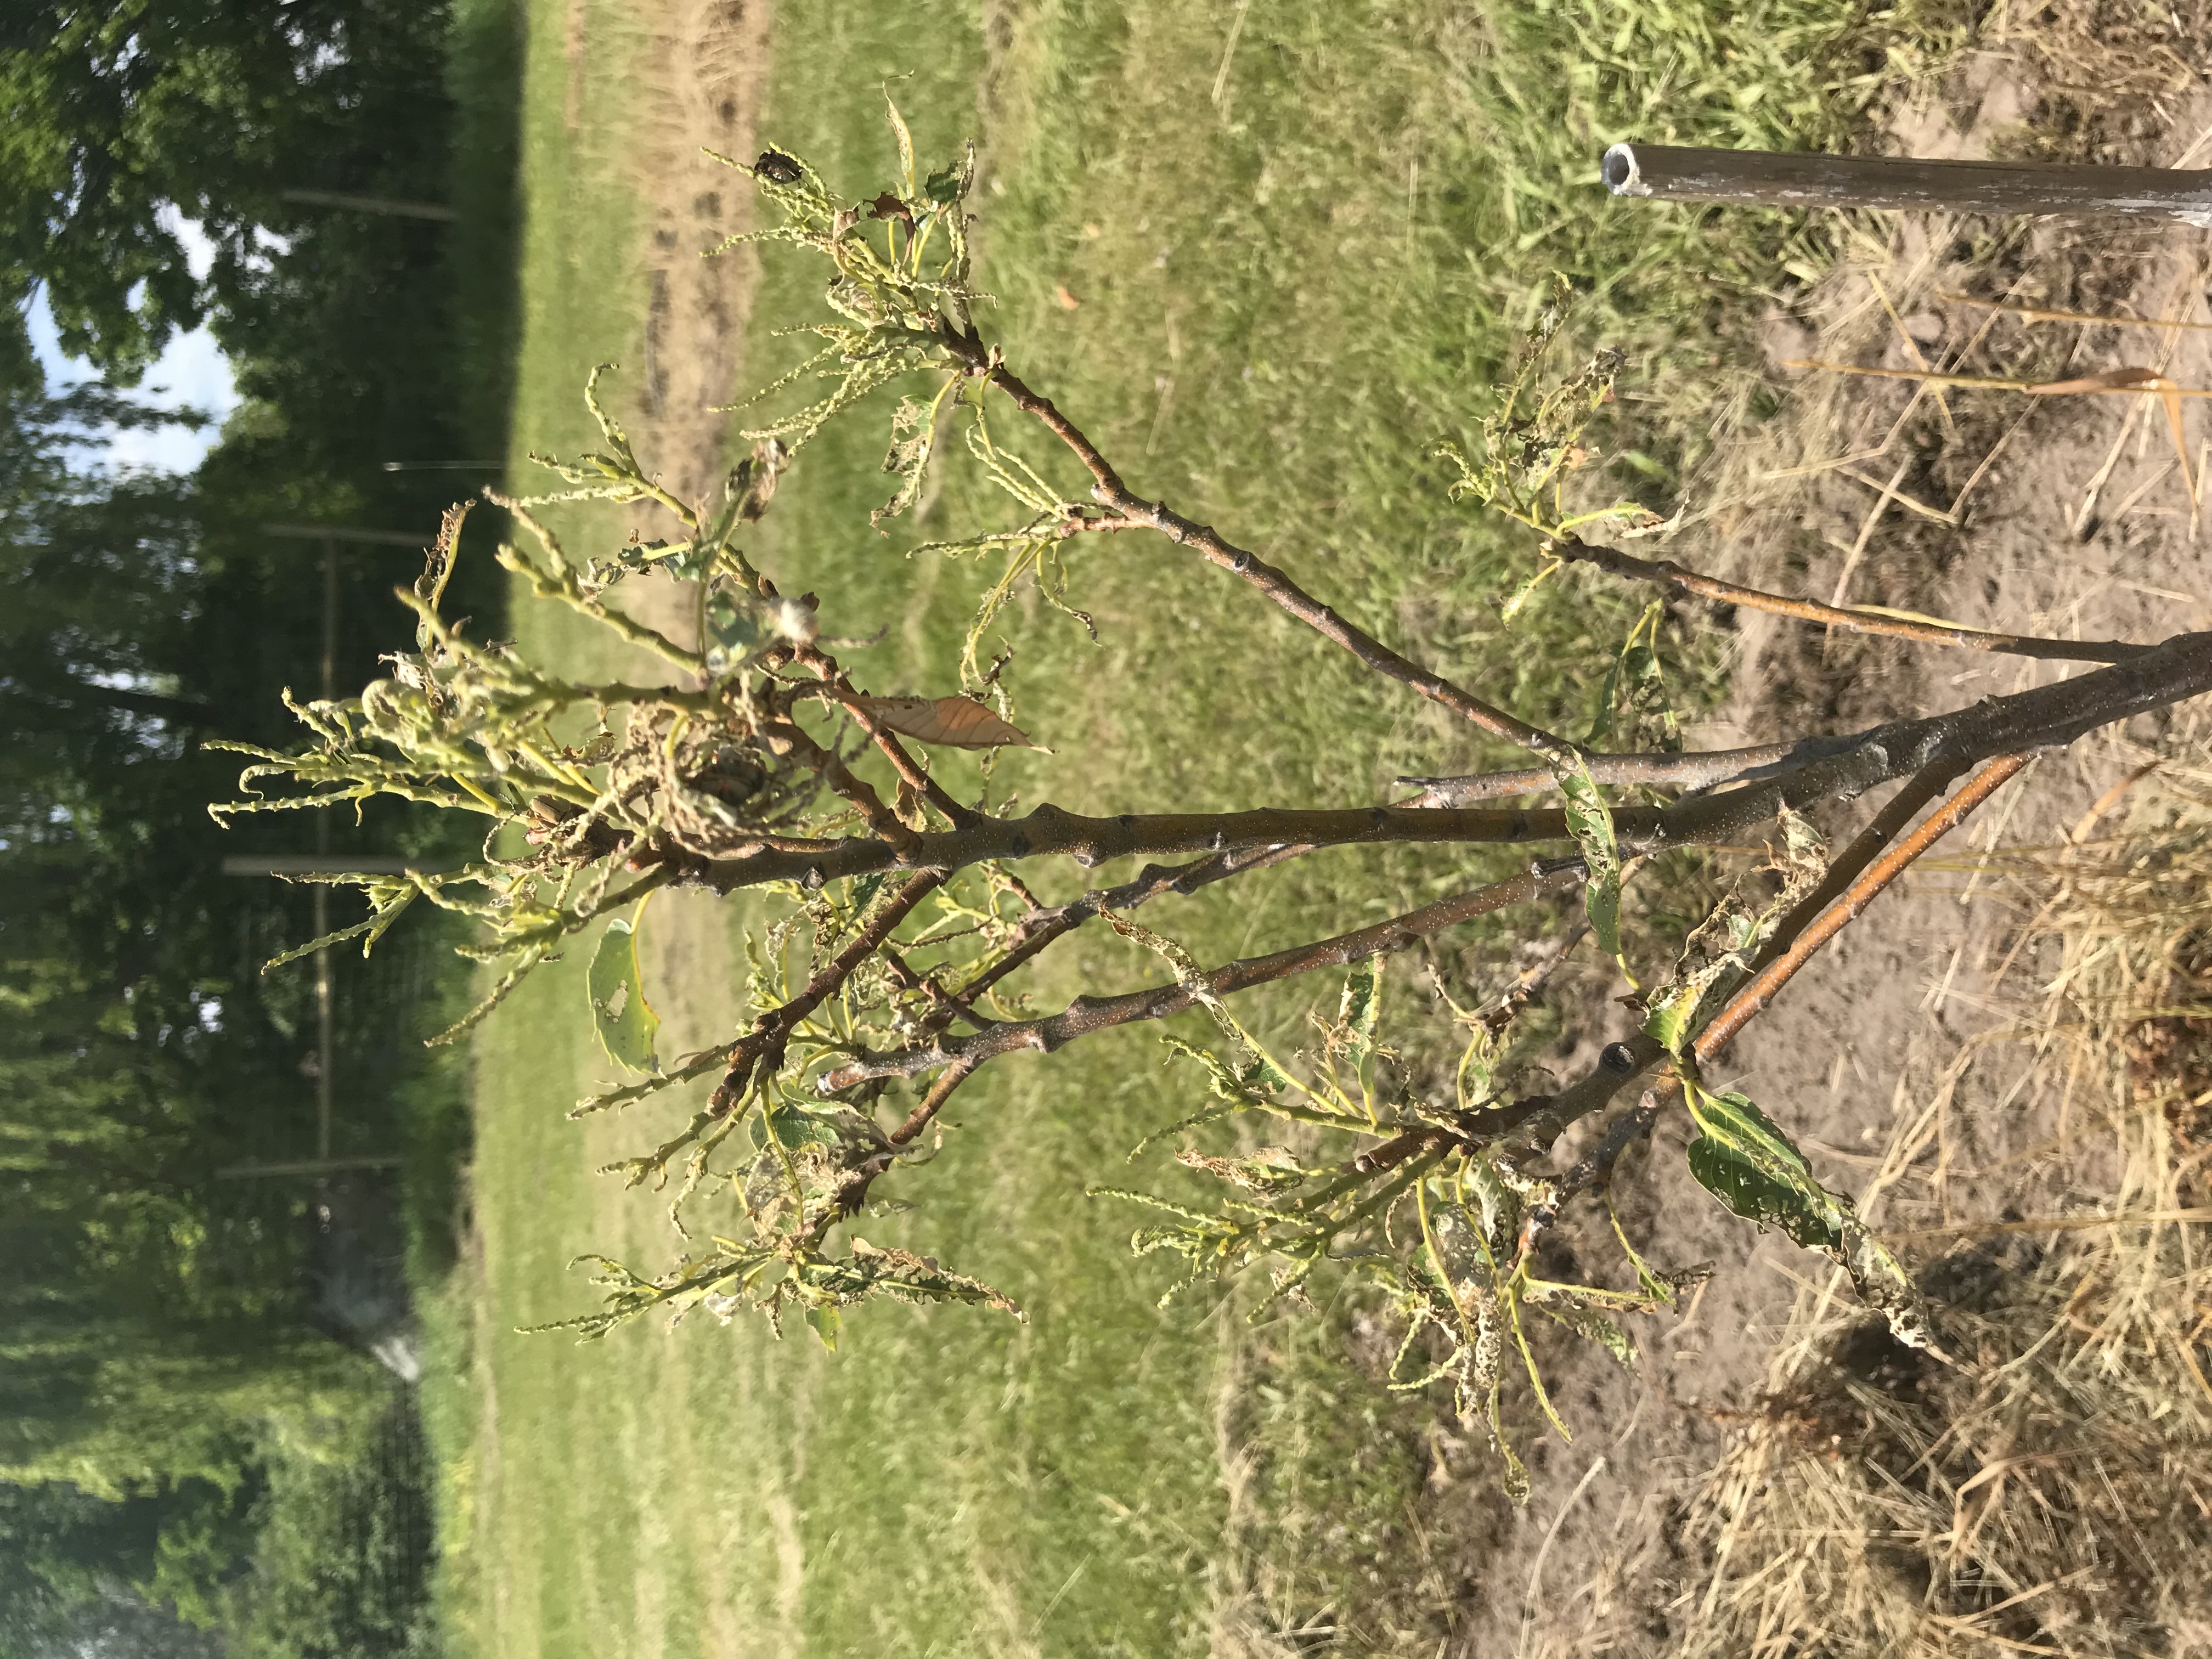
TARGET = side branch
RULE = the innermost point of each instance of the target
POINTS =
(759, 1053)
(1699, 770)
(1131, 510)
(1044, 925)
(1769, 981)
(1087, 1015)
(1575, 552)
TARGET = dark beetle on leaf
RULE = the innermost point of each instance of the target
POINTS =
(777, 168)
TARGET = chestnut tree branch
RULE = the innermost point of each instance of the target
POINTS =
(1087, 1015)
(1574, 550)
(2042, 717)
(1131, 509)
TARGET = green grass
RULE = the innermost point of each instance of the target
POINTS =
(1285, 294)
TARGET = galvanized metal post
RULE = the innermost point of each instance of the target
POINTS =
(1765, 179)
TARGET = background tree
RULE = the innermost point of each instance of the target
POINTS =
(164, 1334)
(117, 121)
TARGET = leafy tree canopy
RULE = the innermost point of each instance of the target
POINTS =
(118, 120)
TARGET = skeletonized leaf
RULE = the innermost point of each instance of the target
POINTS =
(1594, 1327)
(1510, 606)
(1881, 1282)
(1590, 823)
(957, 722)
(626, 1022)
(1633, 697)
(1718, 955)
(1259, 1070)
(1362, 1006)
(1745, 1160)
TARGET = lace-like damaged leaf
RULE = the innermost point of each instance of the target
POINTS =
(1633, 711)
(1590, 823)
(913, 441)
(1743, 1159)
(1717, 957)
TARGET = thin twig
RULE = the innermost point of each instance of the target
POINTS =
(1863, 619)
(1042, 926)
(1698, 769)
(910, 772)
(1594, 1172)
(1109, 492)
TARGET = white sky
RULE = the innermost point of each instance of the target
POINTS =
(192, 371)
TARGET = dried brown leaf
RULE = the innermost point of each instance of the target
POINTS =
(957, 722)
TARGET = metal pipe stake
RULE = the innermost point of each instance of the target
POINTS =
(1765, 178)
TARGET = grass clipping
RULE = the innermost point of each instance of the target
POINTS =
(2053, 1493)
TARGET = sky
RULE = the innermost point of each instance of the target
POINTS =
(192, 371)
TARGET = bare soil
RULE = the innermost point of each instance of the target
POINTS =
(2060, 516)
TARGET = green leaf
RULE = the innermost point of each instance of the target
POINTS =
(792, 1127)
(1744, 1160)
(1590, 823)
(826, 1322)
(626, 1022)
(734, 624)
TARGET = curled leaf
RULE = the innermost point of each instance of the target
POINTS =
(956, 722)
(626, 1023)
(1590, 823)
(1747, 1163)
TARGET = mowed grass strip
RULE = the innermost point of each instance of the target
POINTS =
(1269, 254)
